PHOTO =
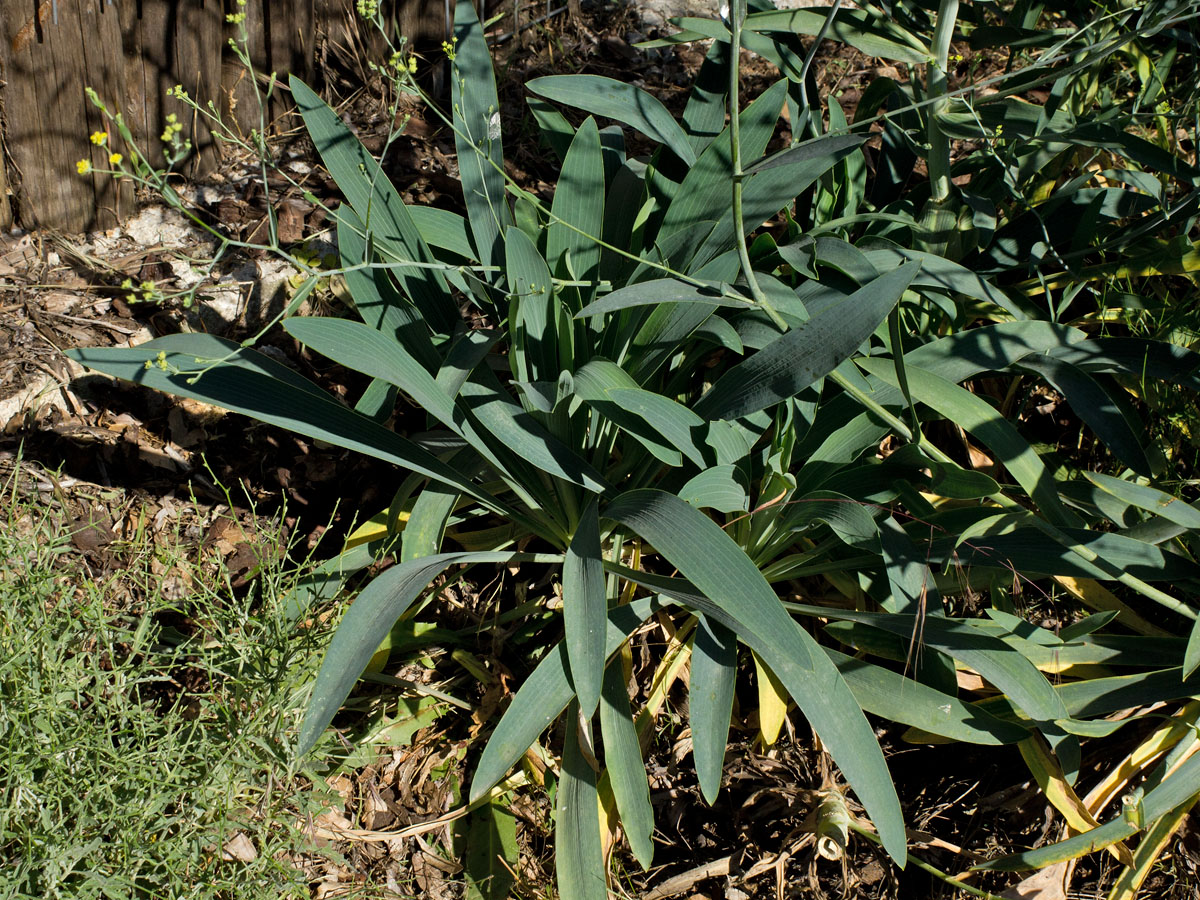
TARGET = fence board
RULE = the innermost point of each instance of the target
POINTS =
(168, 43)
(50, 51)
(6, 212)
(132, 52)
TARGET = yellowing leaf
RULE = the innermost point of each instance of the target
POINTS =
(772, 703)
(1049, 776)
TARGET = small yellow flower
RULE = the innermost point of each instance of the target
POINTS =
(99, 138)
(83, 167)
(412, 65)
(115, 159)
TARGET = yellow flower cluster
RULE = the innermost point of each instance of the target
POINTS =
(174, 126)
(160, 361)
(99, 138)
(83, 167)
(448, 47)
(115, 159)
(237, 18)
(398, 63)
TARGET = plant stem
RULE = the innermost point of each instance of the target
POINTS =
(939, 144)
(927, 867)
(805, 112)
(737, 16)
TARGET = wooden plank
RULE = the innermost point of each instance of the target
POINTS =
(422, 22)
(279, 39)
(49, 52)
(6, 210)
(238, 103)
(133, 52)
(288, 38)
(168, 43)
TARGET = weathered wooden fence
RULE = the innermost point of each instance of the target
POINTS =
(132, 52)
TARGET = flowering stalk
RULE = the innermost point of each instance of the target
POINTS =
(737, 16)
(939, 144)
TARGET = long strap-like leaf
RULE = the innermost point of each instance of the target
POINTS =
(735, 593)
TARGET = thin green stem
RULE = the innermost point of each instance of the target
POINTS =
(806, 107)
(871, 406)
(939, 144)
(737, 16)
(927, 867)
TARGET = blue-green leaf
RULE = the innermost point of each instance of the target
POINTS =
(477, 137)
(735, 593)
(377, 205)
(366, 624)
(579, 202)
(704, 194)
(543, 696)
(710, 701)
(626, 768)
(585, 610)
(810, 350)
(247, 382)
(533, 310)
(578, 855)
(872, 35)
(723, 488)
(613, 99)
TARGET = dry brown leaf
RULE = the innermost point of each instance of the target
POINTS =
(239, 848)
(1045, 884)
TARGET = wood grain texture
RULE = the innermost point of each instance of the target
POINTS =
(132, 52)
(47, 61)
(167, 43)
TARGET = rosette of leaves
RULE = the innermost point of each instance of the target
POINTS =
(629, 392)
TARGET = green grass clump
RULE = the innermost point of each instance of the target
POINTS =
(134, 751)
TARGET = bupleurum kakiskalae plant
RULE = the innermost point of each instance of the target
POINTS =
(685, 412)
